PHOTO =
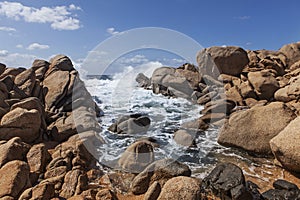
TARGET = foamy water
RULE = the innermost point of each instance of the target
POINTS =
(121, 96)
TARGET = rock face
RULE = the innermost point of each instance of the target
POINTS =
(253, 129)
(161, 171)
(14, 178)
(137, 156)
(285, 146)
(222, 60)
(180, 187)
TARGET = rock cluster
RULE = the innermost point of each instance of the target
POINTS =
(252, 95)
(48, 131)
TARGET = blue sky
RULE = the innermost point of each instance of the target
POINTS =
(40, 29)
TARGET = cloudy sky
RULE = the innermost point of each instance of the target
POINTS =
(40, 29)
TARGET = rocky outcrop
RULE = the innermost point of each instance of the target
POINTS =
(253, 129)
(286, 144)
(222, 60)
(48, 124)
(143, 81)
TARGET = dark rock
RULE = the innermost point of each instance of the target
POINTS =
(153, 191)
(143, 81)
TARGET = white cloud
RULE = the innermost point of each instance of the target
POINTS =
(112, 31)
(7, 29)
(249, 43)
(59, 17)
(73, 7)
(246, 17)
(137, 59)
(17, 60)
(19, 46)
(3, 53)
(35, 46)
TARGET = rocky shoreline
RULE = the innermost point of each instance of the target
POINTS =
(49, 129)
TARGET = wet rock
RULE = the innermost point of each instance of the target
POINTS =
(264, 83)
(180, 188)
(185, 138)
(153, 191)
(222, 60)
(14, 178)
(137, 156)
(282, 190)
(286, 144)
(161, 171)
(2, 68)
(227, 180)
(143, 81)
(253, 129)
(131, 124)
(14, 149)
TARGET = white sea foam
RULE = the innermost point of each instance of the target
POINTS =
(121, 96)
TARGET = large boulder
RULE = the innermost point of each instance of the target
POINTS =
(75, 182)
(131, 124)
(253, 129)
(38, 158)
(61, 62)
(55, 88)
(14, 178)
(292, 52)
(26, 81)
(264, 83)
(164, 80)
(161, 171)
(13, 149)
(137, 156)
(285, 146)
(21, 123)
(227, 181)
(180, 187)
(282, 190)
(222, 60)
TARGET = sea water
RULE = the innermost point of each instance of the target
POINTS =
(120, 95)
